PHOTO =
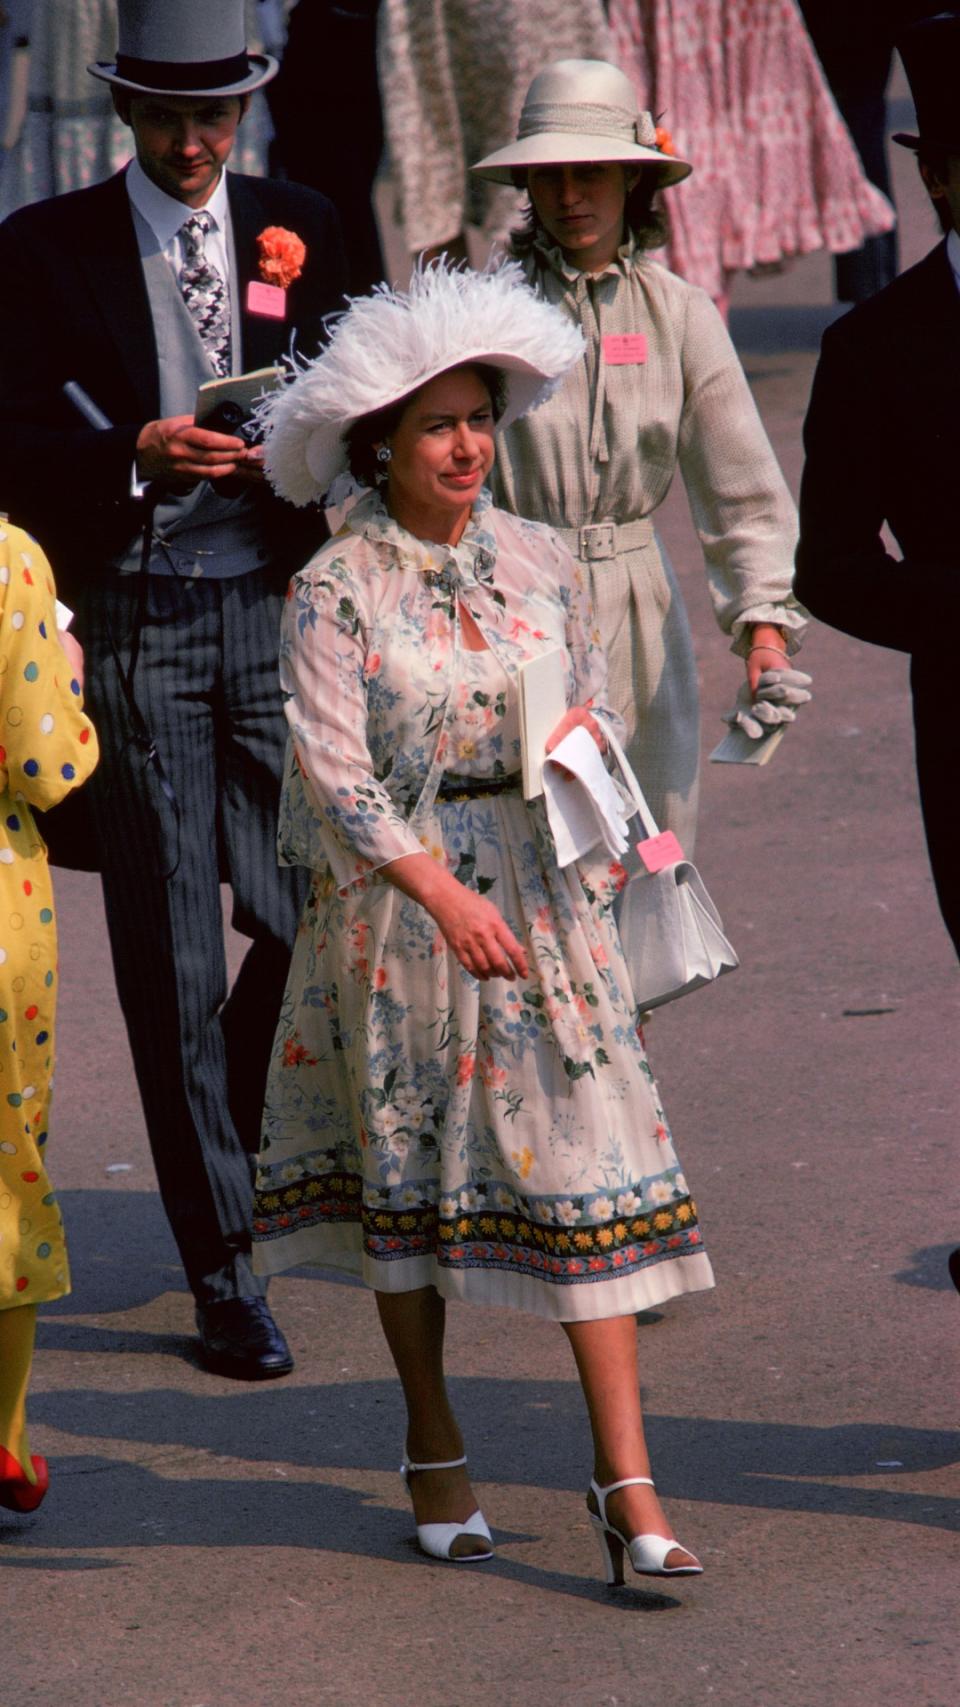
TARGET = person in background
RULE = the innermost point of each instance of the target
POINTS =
(333, 144)
(883, 444)
(50, 748)
(452, 77)
(854, 44)
(15, 16)
(168, 276)
(659, 390)
(742, 94)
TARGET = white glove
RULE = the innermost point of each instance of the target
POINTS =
(779, 692)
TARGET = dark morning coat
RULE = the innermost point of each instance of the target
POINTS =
(73, 305)
(882, 437)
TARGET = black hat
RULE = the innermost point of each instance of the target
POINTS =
(930, 50)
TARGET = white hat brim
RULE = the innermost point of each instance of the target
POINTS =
(568, 148)
(390, 344)
(325, 451)
(262, 68)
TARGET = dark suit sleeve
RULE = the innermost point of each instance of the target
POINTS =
(844, 574)
(49, 457)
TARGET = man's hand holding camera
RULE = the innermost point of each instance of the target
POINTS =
(178, 453)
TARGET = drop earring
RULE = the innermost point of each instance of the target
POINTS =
(384, 455)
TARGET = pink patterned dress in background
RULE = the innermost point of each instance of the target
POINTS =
(739, 87)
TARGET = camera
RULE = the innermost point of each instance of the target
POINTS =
(232, 418)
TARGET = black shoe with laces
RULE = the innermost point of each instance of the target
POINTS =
(239, 1337)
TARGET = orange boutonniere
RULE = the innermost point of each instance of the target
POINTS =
(664, 141)
(282, 254)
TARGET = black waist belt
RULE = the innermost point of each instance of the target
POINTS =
(472, 787)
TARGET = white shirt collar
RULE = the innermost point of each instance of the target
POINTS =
(953, 255)
(164, 214)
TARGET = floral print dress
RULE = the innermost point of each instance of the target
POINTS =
(503, 1141)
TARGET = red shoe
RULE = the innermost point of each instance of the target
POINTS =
(16, 1493)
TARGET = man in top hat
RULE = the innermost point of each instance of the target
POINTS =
(138, 290)
(883, 446)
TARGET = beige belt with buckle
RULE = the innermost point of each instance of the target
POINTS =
(599, 540)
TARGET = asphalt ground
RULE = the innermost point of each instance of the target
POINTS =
(210, 1544)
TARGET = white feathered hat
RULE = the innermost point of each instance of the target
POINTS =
(387, 345)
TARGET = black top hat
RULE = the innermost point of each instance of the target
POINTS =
(930, 50)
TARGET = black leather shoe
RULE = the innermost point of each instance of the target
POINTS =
(953, 1264)
(239, 1337)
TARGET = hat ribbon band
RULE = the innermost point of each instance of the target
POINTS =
(184, 74)
(584, 119)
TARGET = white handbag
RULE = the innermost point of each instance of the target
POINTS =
(671, 932)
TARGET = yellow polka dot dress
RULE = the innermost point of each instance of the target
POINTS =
(47, 747)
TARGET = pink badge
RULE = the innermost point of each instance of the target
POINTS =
(266, 299)
(660, 851)
(624, 349)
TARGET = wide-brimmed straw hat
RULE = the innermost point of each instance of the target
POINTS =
(930, 50)
(389, 344)
(184, 47)
(582, 109)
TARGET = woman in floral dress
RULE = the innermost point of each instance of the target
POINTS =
(459, 1105)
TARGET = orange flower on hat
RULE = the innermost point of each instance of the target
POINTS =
(664, 141)
(282, 254)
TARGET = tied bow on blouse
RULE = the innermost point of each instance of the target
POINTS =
(470, 563)
(452, 581)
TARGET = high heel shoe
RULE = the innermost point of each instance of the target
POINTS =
(16, 1493)
(438, 1538)
(648, 1553)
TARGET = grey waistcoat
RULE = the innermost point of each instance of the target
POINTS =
(201, 533)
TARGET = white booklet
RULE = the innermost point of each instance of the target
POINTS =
(244, 389)
(737, 747)
(543, 701)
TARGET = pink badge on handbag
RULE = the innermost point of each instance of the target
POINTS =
(657, 852)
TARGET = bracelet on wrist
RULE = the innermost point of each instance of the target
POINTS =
(781, 651)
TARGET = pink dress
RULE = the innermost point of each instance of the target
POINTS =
(739, 87)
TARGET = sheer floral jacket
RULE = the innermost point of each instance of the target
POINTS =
(370, 662)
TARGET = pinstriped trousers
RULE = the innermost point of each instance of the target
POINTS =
(207, 685)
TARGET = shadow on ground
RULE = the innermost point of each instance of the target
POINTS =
(527, 1433)
(357, 1426)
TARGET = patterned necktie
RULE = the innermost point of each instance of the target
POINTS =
(204, 292)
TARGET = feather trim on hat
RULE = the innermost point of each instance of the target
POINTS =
(388, 344)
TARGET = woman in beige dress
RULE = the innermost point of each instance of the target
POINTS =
(660, 388)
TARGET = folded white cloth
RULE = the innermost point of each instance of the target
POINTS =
(778, 694)
(585, 807)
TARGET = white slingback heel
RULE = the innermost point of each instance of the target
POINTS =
(438, 1538)
(648, 1553)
